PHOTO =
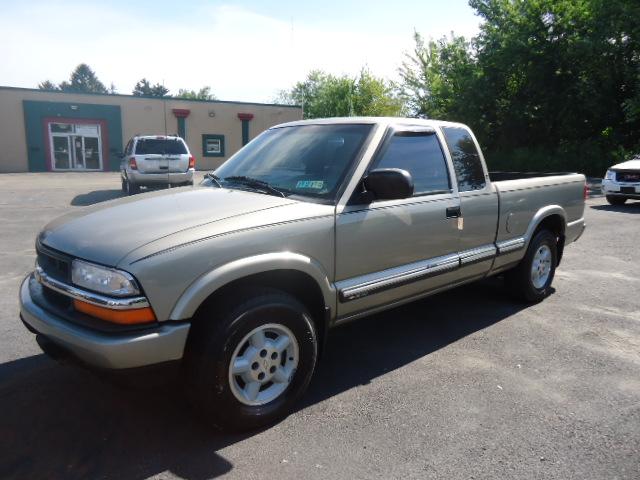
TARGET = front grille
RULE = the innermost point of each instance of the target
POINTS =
(55, 264)
(628, 176)
(56, 298)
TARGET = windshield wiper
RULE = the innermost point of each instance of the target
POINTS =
(255, 184)
(214, 178)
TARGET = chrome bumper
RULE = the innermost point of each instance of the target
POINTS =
(160, 344)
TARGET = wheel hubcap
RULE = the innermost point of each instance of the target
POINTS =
(263, 364)
(541, 266)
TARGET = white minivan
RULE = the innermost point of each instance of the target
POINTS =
(156, 160)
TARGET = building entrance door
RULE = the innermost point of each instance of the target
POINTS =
(75, 146)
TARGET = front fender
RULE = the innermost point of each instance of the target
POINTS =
(208, 283)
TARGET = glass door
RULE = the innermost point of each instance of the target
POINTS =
(92, 159)
(75, 146)
(61, 152)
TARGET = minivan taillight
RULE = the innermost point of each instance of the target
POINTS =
(585, 193)
(192, 162)
(132, 163)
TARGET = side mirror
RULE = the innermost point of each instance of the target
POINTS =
(389, 184)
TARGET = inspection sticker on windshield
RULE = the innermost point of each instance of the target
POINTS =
(315, 184)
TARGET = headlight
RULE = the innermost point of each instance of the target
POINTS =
(609, 175)
(102, 279)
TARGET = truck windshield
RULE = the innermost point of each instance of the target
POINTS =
(160, 146)
(306, 160)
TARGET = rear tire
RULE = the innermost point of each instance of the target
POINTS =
(613, 200)
(131, 188)
(225, 359)
(531, 280)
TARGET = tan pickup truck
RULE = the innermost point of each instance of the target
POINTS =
(312, 224)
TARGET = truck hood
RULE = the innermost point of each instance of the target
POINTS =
(629, 165)
(106, 233)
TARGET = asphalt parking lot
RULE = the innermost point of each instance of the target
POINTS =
(463, 385)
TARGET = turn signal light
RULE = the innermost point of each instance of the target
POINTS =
(192, 162)
(122, 317)
(132, 163)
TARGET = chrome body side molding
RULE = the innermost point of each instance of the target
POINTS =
(353, 289)
(507, 246)
(359, 287)
(479, 254)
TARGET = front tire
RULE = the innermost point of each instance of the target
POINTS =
(613, 200)
(531, 280)
(249, 362)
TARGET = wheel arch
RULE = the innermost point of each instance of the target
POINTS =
(552, 218)
(296, 274)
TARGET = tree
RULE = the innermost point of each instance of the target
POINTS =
(144, 89)
(560, 76)
(439, 77)
(203, 94)
(325, 95)
(546, 85)
(48, 85)
(83, 80)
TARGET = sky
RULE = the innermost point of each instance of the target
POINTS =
(243, 50)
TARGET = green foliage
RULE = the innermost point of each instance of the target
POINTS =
(323, 95)
(82, 80)
(558, 80)
(203, 94)
(144, 89)
(438, 79)
(48, 85)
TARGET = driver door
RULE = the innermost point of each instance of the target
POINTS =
(393, 249)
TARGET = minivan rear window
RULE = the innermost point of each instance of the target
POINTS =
(160, 146)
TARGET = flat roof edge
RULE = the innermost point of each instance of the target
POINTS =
(146, 97)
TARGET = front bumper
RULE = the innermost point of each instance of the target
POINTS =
(617, 189)
(139, 178)
(160, 344)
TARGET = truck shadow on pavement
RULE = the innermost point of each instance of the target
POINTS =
(97, 196)
(64, 422)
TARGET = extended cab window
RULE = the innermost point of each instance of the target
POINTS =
(466, 159)
(418, 153)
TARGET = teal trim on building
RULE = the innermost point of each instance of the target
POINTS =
(36, 112)
(206, 151)
(245, 132)
(182, 128)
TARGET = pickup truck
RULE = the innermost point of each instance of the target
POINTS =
(239, 280)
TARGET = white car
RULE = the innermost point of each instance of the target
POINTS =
(156, 160)
(622, 182)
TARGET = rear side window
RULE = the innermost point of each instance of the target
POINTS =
(420, 155)
(160, 146)
(466, 159)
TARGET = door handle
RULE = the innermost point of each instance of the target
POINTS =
(454, 212)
